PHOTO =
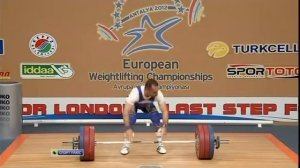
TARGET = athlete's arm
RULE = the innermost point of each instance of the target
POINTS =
(129, 105)
(126, 112)
(163, 107)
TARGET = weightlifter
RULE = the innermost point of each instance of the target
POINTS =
(143, 97)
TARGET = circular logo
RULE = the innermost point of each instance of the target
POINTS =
(217, 49)
(43, 45)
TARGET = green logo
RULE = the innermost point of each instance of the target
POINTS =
(46, 71)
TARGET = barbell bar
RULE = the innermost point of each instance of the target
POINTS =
(205, 142)
(144, 142)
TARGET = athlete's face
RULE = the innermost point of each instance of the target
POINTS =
(152, 92)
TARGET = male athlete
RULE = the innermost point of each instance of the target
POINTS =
(142, 97)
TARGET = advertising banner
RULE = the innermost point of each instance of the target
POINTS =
(200, 51)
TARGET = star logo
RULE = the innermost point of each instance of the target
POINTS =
(159, 28)
(139, 34)
(118, 25)
(116, 14)
(118, 4)
(181, 10)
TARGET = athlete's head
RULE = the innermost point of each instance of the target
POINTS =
(151, 88)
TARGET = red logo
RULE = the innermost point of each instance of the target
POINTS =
(4, 75)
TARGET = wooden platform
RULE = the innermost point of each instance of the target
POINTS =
(247, 150)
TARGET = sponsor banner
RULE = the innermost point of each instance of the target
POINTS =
(1, 46)
(283, 48)
(215, 108)
(175, 42)
(46, 71)
(219, 49)
(261, 71)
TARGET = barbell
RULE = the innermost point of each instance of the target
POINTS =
(205, 142)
